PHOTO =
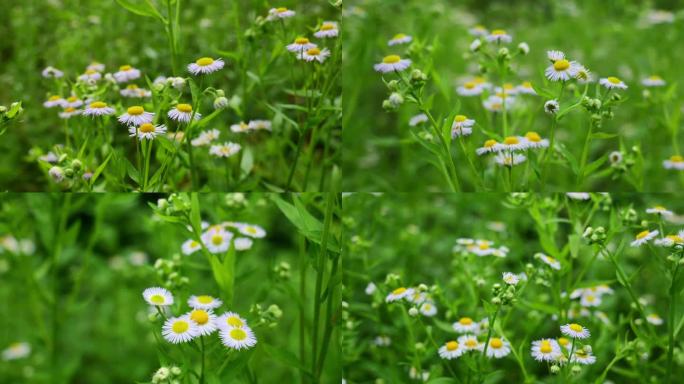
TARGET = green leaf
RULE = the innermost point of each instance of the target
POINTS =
(247, 162)
(308, 226)
(99, 169)
(286, 357)
(132, 171)
(142, 8)
(195, 212)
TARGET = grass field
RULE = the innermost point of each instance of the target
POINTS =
(74, 269)
(626, 40)
(269, 121)
(510, 270)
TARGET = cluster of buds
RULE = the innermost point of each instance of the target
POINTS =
(268, 317)
(519, 199)
(167, 375)
(595, 235)
(178, 204)
(282, 270)
(11, 113)
(169, 272)
(235, 200)
(628, 216)
(503, 294)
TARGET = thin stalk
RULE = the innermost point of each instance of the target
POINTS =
(201, 380)
(671, 324)
(148, 154)
(170, 31)
(302, 308)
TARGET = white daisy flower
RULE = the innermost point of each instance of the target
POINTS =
(469, 88)
(533, 140)
(551, 107)
(578, 195)
(217, 241)
(69, 112)
(205, 65)
(226, 149)
(509, 159)
(417, 297)
(465, 325)
(671, 240)
(475, 45)
(382, 341)
(481, 248)
(126, 73)
(18, 350)
(392, 63)
(251, 230)
(182, 113)
(95, 66)
(548, 260)
(230, 320)
(498, 348)
(581, 356)
(238, 338)
(73, 101)
(470, 343)
(206, 137)
(136, 115)
(370, 288)
(147, 131)
(240, 127)
(327, 29)
(479, 31)
(414, 374)
(190, 246)
(590, 300)
(204, 302)
(583, 75)
(260, 124)
(462, 126)
(52, 72)
(279, 13)
(451, 350)
(643, 237)
(418, 119)
(428, 309)
(654, 319)
(526, 88)
(314, 54)
(179, 329)
(158, 296)
(90, 75)
(300, 45)
(561, 70)
(565, 343)
(242, 243)
(554, 56)
(575, 331)
(612, 82)
(132, 91)
(653, 81)
(494, 104)
(499, 36)
(514, 143)
(490, 145)
(510, 278)
(674, 162)
(204, 320)
(399, 38)
(659, 210)
(546, 350)
(399, 294)
(55, 101)
(98, 108)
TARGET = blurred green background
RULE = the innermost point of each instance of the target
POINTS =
(609, 37)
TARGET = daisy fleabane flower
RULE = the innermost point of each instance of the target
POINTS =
(674, 162)
(643, 237)
(533, 140)
(548, 260)
(418, 119)
(582, 356)
(451, 350)
(251, 230)
(509, 159)
(561, 70)
(498, 348)
(182, 113)
(69, 112)
(52, 72)
(55, 101)
(238, 338)
(204, 302)
(314, 54)
(205, 321)
(546, 350)
(612, 82)
(147, 131)
(217, 240)
(428, 309)
(575, 331)
(279, 13)
(136, 115)
(300, 44)
(179, 329)
(671, 240)
(398, 294)
(17, 350)
(551, 107)
(230, 320)
(205, 65)
(242, 243)
(465, 325)
(98, 108)
(470, 343)
(554, 56)
(479, 31)
(126, 73)
(653, 81)
(90, 74)
(392, 63)
(469, 88)
(462, 126)
(490, 145)
(510, 278)
(399, 38)
(526, 88)
(226, 149)
(660, 210)
(190, 246)
(206, 137)
(327, 29)
(654, 319)
(499, 36)
(158, 296)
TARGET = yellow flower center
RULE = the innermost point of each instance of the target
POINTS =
(251, 230)
(642, 234)
(533, 136)
(313, 52)
(590, 298)
(125, 68)
(526, 84)
(157, 299)
(203, 62)
(460, 118)
(234, 321)
(580, 353)
(132, 86)
(281, 9)
(545, 347)
(146, 128)
(135, 110)
(217, 239)
(187, 108)
(498, 32)
(180, 326)
(98, 104)
(90, 72)
(238, 334)
(301, 40)
(490, 143)
(655, 77)
(204, 299)
(54, 98)
(495, 342)
(614, 80)
(561, 65)
(511, 140)
(452, 346)
(72, 99)
(465, 321)
(69, 109)
(471, 343)
(391, 59)
(575, 327)
(470, 85)
(660, 208)
(675, 239)
(508, 86)
(399, 36)
(563, 341)
(483, 246)
(199, 316)
(479, 80)
(399, 291)
(677, 159)
(327, 27)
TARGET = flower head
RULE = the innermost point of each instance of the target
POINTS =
(226, 149)
(451, 350)
(314, 54)
(546, 350)
(126, 73)
(147, 131)
(98, 108)
(575, 331)
(183, 113)
(499, 36)
(643, 237)
(392, 63)
(613, 82)
(136, 115)
(238, 338)
(205, 65)
(327, 29)
(158, 296)
(204, 302)
(498, 348)
(179, 329)
(465, 325)
(399, 38)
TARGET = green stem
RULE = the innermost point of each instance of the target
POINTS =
(201, 380)
(671, 323)
(170, 30)
(148, 154)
